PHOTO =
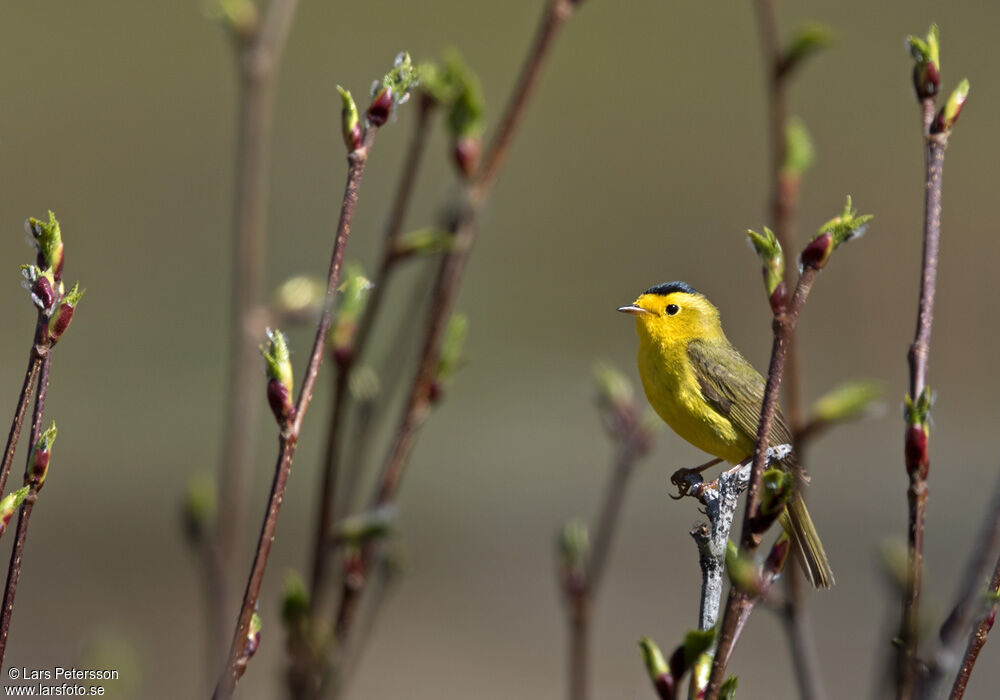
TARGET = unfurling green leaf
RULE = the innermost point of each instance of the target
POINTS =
(809, 39)
(777, 486)
(294, 599)
(652, 657)
(613, 388)
(952, 108)
(728, 689)
(852, 399)
(277, 358)
(696, 643)
(299, 295)
(358, 529)
(453, 348)
(574, 547)
(799, 152)
(423, 241)
(350, 124)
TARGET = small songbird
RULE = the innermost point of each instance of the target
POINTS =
(704, 389)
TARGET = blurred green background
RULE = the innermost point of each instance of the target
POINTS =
(641, 160)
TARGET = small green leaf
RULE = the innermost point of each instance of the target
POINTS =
(452, 355)
(359, 528)
(696, 643)
(846, 226)
(728, 689)
(299, 295)
(849, 400)
(653, 659)
(423, 241)
(808, 40)
(294, 600)
(277, 358)
(799, 152)
(574, 547)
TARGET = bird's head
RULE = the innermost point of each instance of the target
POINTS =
(674, 311)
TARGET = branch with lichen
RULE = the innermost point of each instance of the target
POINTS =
(766, 497)
(391, 91)
(936, 130)
(55, 307)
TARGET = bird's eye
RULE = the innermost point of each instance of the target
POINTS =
(672, 309)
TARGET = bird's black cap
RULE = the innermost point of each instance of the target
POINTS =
(671, 287)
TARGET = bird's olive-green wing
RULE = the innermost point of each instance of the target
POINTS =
(733, 387)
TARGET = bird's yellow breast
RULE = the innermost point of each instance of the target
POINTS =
(672, 389)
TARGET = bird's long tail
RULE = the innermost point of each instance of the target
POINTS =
(797, 523)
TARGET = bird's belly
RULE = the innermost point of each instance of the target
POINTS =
(678, 401)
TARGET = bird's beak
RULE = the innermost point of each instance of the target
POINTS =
(633, 310)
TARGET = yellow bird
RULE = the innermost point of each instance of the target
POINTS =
(704, 389)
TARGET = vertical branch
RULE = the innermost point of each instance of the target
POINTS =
(977, 639)
(288, 440)
(918, 464)
(30, 376)
(784, 201)
(259, 46)
(740, 603)
(446, 286)
(582, 566)
(944, 658)
(331, 453)
(24, 516)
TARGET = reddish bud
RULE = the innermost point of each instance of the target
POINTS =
(466, 151)
(60, 321)
(776, 557)
(991, 618)
(42, 289)
(818, 251)
(343, 355)
(917, 460)
(381, 107)
(354, 137)
(926, 80)
(664, 685)
(779, 299)
(280, 400)
(435, 392)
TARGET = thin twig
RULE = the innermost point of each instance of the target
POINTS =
(946, 655)
(288, 440)
(740, 603)
(977, 639)
(935, 146)
(24, 516)
(34, 365)
(331, 457)
(446, 286)
(784, 202)
(258, 48)
(580, 588)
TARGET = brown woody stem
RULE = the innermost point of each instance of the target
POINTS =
(30, 376)
(288, 439)
(24, 516)
(935, 145)
(740, 604)
(331, 464)
(977, 639)
(258, 49)
(445, 289)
